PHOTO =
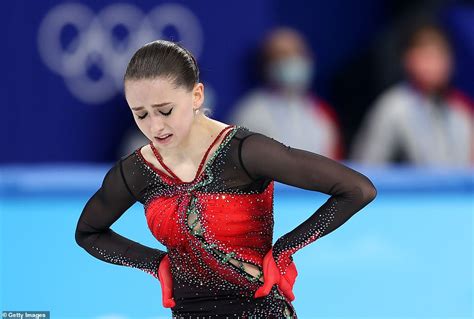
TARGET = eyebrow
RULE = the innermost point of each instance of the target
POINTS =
(138, 108)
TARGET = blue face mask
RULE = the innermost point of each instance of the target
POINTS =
(293, 72)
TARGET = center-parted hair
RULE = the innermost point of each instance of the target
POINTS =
(166, 59)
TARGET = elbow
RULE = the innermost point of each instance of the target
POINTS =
(368, 190)
(78, 236)
(81, 236)
(85, 235)
(359, 193)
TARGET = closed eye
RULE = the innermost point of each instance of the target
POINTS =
(165, 114)
(168, 113)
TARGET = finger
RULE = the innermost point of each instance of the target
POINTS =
(292, 269)
(268, 282)
(285, 287)
(166, 295)
(270, 277)
(168, 303)
(167, 278)
(166, 282)
(291, 274)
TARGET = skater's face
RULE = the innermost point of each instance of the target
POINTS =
(160, 108)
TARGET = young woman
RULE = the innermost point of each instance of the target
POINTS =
(207, 191)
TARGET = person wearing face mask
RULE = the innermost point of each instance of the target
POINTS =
(421, 120)
(284, 106)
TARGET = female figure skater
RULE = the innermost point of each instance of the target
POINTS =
(207, 191)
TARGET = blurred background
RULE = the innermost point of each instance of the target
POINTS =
(386, 87)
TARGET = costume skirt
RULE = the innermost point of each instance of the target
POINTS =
(204, 302)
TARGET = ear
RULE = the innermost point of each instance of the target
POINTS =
(198, 95)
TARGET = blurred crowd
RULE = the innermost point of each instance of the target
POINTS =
(421, 120)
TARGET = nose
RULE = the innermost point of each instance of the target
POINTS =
(157, 125)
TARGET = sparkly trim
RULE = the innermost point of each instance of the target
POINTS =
(273, 305)
(201, 164)
(222, 256)
(207, 171)
(283, 251)
(172, 180)
(149, 267)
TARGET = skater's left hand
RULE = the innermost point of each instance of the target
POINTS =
(166, 281)
(272, 275)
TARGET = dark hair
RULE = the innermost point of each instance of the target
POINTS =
(167, 59)
(414, 36)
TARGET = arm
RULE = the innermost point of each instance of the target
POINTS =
(264, 157)
(93, 231)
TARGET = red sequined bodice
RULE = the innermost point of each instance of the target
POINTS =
(213, 230)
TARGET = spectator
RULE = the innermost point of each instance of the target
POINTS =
(421, 120)
(284, 107)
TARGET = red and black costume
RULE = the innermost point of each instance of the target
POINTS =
(220, 219)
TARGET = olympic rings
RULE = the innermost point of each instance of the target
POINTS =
(93, 60)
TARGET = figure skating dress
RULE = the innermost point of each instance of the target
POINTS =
(218, 227)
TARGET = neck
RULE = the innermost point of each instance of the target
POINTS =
(288, 92)
(197, 139)
(201, 128)
(427, 91)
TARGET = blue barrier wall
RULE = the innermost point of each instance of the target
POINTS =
(408, 254)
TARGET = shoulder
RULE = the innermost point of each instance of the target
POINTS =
(133, 163)
(252, 100)
(240, 138)
(254, 95)
(242, 132)
(256, 142)
(133, 156)
(135, 173)
(460, 102)
(394, 102)
(323, 108)
(395, 94)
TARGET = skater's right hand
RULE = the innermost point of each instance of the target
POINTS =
(288, 280)
(166, 281)
(272, 275)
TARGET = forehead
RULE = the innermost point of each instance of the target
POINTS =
(145, 92)
(429, 38)
(284, 43)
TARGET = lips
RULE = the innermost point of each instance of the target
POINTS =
(163, 139)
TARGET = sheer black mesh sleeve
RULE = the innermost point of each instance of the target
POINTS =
(93, 231)
(264, 157)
